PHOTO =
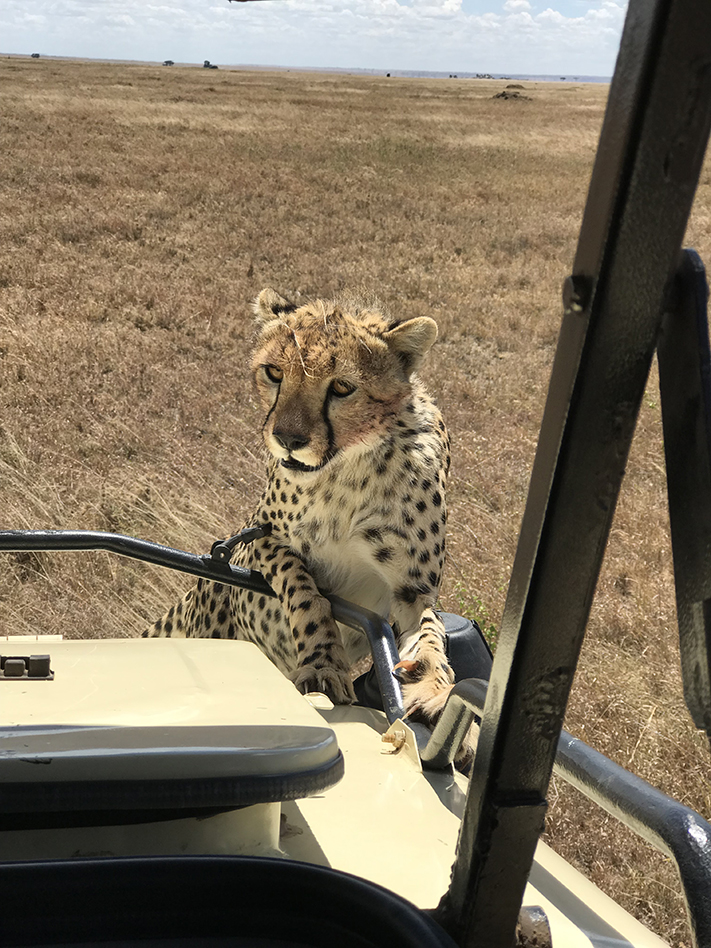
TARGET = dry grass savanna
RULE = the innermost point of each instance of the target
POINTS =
(142, 208)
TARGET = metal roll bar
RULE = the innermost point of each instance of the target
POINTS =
(216, 567)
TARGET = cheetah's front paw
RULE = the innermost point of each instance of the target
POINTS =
(332, 681)
(424, 701)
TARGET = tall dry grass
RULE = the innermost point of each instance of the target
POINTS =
(142, 208)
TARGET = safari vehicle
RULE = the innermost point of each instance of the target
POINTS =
(182, 792)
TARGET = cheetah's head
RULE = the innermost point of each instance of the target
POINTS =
(332, 376)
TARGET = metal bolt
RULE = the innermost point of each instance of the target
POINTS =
(394, 738)
(576, 293)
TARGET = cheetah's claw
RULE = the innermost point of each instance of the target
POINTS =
(408, 671)
(334, 682)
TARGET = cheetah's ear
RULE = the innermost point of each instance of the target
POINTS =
(269, 306)
(411, 341)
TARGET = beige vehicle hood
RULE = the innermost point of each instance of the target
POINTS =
(159, 709)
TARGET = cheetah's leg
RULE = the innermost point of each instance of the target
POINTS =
(202, 612)
(315, 659)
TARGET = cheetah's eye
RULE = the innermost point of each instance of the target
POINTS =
(340, 388)
(273, 373)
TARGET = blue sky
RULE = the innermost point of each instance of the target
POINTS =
(543, 37)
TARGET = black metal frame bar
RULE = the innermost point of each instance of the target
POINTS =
(685, 391)
(67, 540)
(648, 162)
(669, 826)
(383, 649)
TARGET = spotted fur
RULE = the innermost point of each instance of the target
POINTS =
(355, 496)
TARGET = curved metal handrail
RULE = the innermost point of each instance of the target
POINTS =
(67, 540)
(218, 569)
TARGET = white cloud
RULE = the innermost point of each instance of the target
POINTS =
(515, 6)
(440, 6)
(120, 19)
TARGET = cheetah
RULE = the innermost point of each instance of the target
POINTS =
(355, 498)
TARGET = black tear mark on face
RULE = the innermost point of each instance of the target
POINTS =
(271, 410)
(331, 449)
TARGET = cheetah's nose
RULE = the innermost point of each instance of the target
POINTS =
(290, 441)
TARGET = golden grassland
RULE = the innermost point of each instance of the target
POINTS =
(142, 208)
